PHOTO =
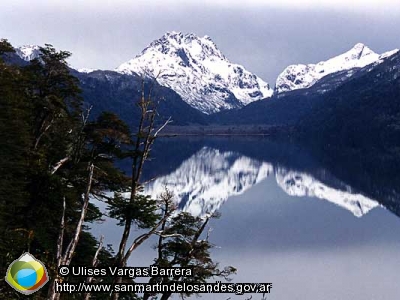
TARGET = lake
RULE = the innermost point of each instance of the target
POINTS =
(316, 229)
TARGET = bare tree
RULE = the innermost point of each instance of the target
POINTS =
(143, 141)
(94, 264)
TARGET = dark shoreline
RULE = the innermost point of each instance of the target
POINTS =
(224, 130)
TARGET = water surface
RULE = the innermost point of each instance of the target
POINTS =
(287, 218)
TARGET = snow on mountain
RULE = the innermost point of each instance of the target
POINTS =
(303, 76)
(28, 52)
(301, 184)
(204, 78)
(86, 70)
(197, 70)
(202, 183)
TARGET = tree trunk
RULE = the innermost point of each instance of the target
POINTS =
(69, 252)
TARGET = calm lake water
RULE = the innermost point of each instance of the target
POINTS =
(314, 231)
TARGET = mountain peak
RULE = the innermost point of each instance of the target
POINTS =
(358, 52)
(28, 52)
(303, 76)
(178, 42)
(179, 36)
(197, 70)
(360, 47)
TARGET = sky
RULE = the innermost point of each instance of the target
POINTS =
(264, 36)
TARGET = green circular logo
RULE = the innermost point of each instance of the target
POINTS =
(27, 274)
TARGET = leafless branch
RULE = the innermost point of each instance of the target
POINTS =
(95, 257)
(94, 264)
(42, 133)
(160, 233)
(74, 242)
(61, 234)
(52, 295)
(162, 127)
(85, 118)
(208, 233)
(140, 239)
(59, 164)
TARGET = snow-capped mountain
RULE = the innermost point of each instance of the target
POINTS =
(28, 52)
(205, 79)
(304, 76)
(202, 183)
(197, 70)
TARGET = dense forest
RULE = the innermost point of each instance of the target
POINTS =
(56, 157)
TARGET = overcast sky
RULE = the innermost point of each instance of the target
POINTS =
(263, 36)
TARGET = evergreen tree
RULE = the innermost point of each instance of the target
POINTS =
(46, 148)
(15, 140)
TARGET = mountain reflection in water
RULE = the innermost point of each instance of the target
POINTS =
(315, 226)
(204, 181)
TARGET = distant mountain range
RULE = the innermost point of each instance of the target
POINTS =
(351, 99)
(195, 69)
(356, 108)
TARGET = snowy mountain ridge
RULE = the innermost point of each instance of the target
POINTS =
(198, 71)
(304, 76)
(204, 78)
